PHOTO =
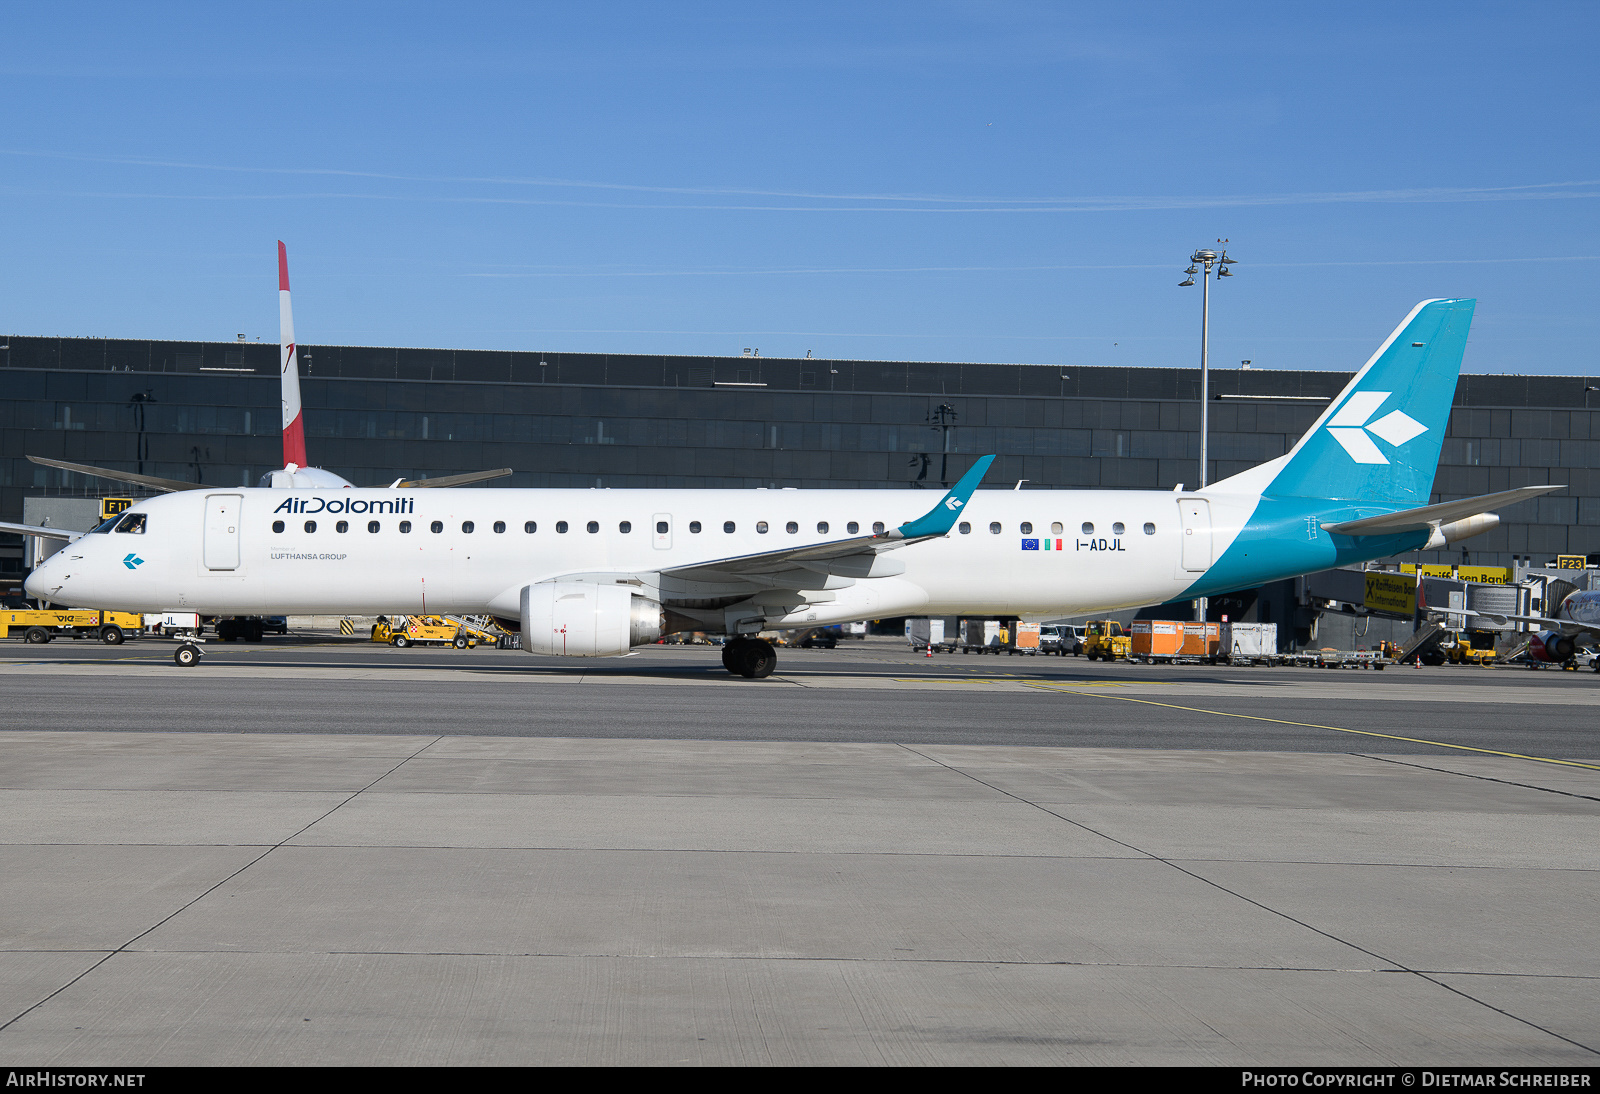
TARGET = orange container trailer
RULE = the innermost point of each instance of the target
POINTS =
(1201, 639)
(1156, 638)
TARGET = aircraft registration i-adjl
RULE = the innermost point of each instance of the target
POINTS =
(593, 573)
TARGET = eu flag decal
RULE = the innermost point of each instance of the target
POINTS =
(1030, 545)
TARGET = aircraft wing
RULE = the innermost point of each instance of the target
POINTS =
(166, 486)
(1414, 520)
(64, 534)
(1565, 626)
(853, 557)
(454, 480)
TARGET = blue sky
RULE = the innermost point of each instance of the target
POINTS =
(976, 182)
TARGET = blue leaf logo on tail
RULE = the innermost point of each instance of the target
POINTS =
(1349, 427)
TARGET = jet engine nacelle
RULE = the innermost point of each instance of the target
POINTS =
(1552, 646)
(584, 619)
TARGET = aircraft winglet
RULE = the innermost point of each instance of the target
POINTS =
(942, 517)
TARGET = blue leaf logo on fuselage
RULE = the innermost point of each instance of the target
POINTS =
(132, 561)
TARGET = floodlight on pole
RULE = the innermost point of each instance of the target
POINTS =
(1202, 262)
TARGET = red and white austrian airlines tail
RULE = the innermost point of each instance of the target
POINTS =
(294, 432)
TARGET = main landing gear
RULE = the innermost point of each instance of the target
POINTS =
(752, 658)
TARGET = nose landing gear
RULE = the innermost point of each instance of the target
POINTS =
(752, 658)
(187, 655)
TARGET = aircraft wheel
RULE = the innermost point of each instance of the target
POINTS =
(187, 655)
(729, 652)
(757, 660)
(111, 635)
(37, 636)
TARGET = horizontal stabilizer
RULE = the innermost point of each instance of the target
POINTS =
(1414, 520)
(43, 533)
(455, 480)
(166, 486)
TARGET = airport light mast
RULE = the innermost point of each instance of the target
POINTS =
(1204, 260)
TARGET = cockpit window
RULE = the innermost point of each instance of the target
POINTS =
(133, 522)
(107, 525)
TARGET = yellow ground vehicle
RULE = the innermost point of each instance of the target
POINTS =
(39, 627)
(429, 630)
(1106, 639)
(1471, 648)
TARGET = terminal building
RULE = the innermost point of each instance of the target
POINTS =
(209, 412)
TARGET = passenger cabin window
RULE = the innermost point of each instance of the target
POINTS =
(561, 527)
(791, 528)
(1149, 529)
(373, 526)
(499, 526)
(311, 526)
(342, 526)
(530, 527)
(1055, 529)
(1027, 528)
(694, 527)
(277, 526)
(661, 527)
(1088, 528)
(761, 527)
(877, 527)
(994, 528)
(822, 527)
(405, 526)
(1117, 529)
(625, 527)
(852, 528)
(594, 526)
(436, 527)
(134, 523)
(966, 528)
(467, 526)
(727, 526)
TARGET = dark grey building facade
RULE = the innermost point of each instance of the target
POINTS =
(209, 412)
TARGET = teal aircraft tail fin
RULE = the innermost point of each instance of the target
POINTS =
(1379, 441)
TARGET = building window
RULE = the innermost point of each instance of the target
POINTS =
(530, 527)
(625, 527)
(277, 526)
(311, 526)
(373, 526)
(499, 526)
(594, 526)
(405, 527)
(467, 526)
(436, 527)
(342, 526)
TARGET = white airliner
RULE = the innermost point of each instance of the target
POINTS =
(593, 573)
